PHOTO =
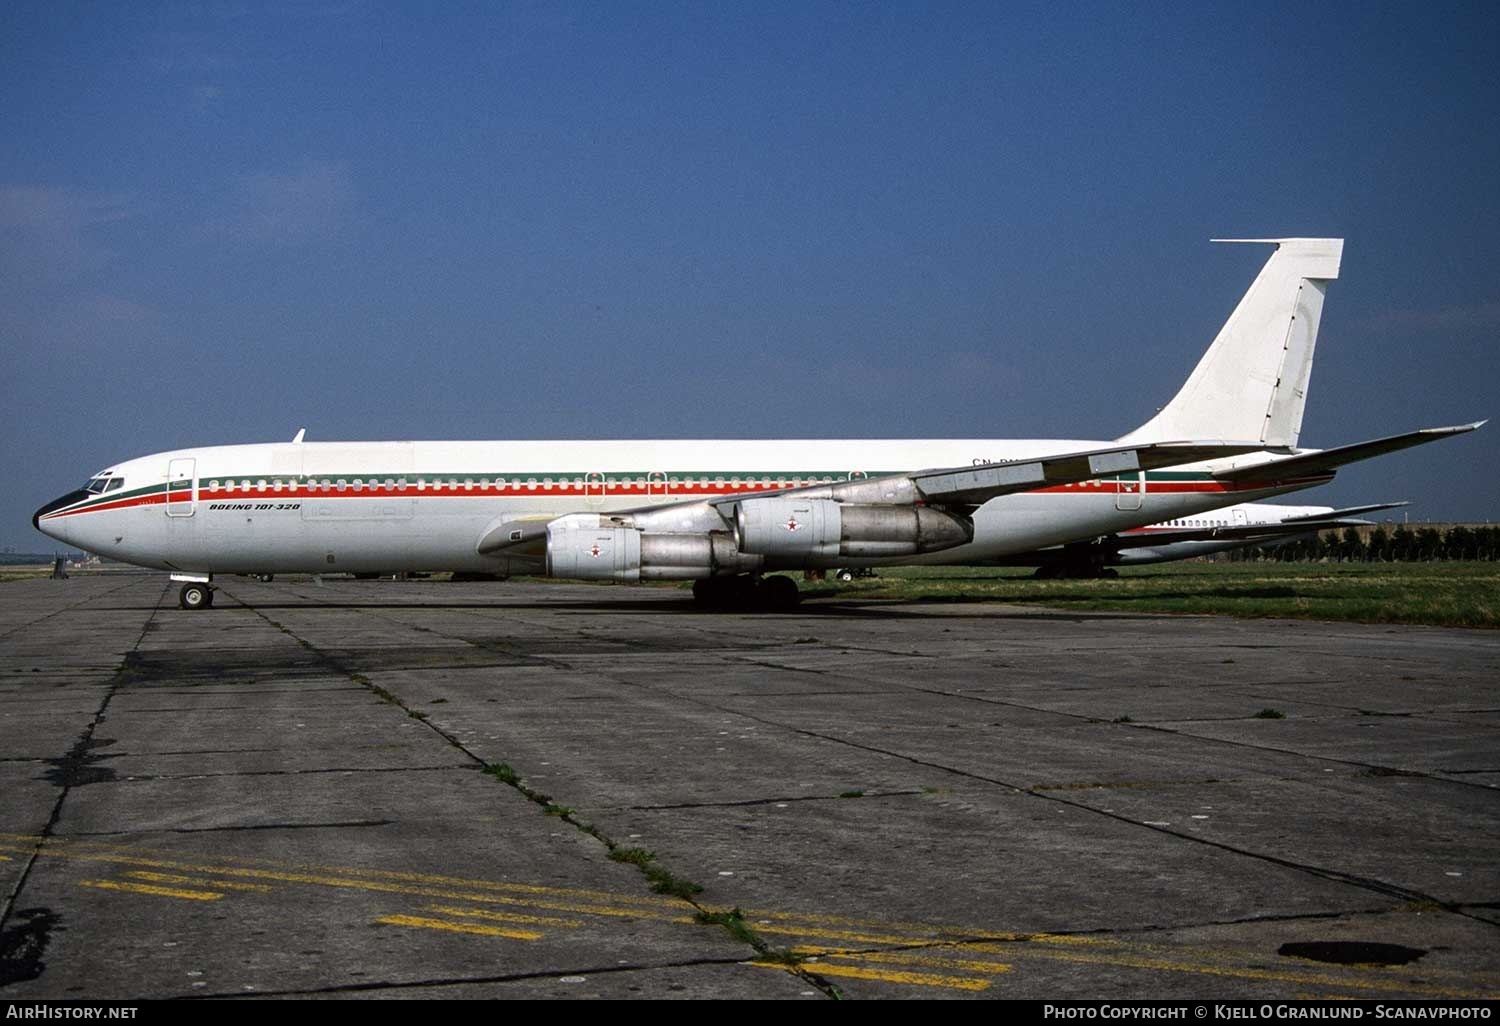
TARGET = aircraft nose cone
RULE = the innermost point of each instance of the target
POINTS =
(53, 528)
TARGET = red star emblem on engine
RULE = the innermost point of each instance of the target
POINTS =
(791, 524)
(594, 551)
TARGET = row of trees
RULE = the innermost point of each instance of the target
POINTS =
(1378, 545)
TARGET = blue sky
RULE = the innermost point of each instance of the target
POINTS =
(223, 222)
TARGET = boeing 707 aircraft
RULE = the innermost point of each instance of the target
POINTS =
(724, 513)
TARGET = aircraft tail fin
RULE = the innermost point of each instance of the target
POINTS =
(1252, 382)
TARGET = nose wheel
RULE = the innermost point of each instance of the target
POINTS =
(195, 596)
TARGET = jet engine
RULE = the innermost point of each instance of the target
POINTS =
(602, 553)
(798, 529)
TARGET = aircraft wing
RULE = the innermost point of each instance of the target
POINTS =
(978, 484)
(1324, 461)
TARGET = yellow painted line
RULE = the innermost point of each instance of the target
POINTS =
(202, 881)
(814, 926)
(558, 906)
(442, 924)
(886, 975)
(1069, 939)
(503, 917)
(99, 851)
(917, 932)
(906, 958)
(842, 935)
(621, 910)
(569, 893)
(164, 892)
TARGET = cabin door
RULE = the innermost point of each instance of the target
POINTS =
(1130, 492)
(594, 486)
(182, 487)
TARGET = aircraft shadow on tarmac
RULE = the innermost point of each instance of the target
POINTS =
(822, 610)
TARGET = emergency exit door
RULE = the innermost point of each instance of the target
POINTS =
(1130, 491)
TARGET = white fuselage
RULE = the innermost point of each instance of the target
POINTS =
(423, 506)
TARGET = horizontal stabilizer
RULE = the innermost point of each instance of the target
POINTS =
(1324, 461)
(1341, 514)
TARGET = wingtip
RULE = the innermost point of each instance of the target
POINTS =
(1457, 429)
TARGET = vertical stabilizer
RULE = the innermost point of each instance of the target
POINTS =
(1252, 382)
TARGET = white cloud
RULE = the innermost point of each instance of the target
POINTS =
(58, 278)
(47, 233)
(287, 209)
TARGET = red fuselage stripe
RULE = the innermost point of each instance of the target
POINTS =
(560, 489)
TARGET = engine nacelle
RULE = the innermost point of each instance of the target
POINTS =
(590, 547)
(600, 554)
(799, 529)
(789, 528)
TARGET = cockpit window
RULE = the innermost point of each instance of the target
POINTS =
(96, 484)
(114, 483)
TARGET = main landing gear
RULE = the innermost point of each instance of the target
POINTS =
(745, 591)
(196, 595)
